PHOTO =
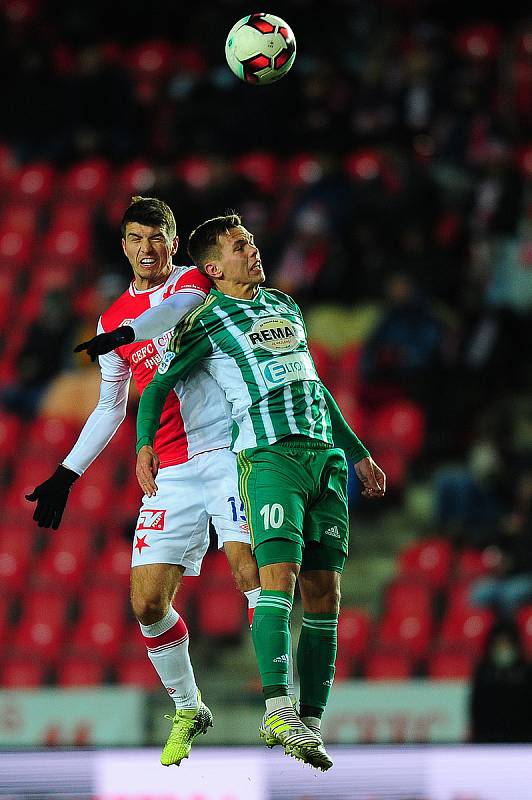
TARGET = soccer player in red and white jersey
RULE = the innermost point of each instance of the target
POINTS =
(197, 480)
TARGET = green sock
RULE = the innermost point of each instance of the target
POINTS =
(271, 637)
(316, 655)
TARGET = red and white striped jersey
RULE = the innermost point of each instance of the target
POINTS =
(196, 416)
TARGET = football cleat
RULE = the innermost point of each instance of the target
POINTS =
(285, 728)
(187, 725)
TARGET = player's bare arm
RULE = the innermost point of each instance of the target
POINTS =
(147, 469)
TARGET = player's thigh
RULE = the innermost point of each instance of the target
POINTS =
(217, 473)
(173, 526)
(155, 584)
(274, 489)
(327, 516)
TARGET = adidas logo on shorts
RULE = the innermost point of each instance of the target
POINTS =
(281, 659)
(333, 532)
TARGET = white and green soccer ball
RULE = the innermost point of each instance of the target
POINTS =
(260, 49)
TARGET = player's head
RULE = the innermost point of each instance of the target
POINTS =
(224, 250)
(149, 240)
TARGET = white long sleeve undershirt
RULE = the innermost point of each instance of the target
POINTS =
(101, 425)
(165, 316)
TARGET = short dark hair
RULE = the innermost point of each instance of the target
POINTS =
(203, 242)
(150, 211)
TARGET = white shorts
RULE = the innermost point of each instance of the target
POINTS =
(173, 526)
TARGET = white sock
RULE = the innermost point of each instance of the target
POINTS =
(252, 596)
(167, 645)
(275, 703)
(314, 722)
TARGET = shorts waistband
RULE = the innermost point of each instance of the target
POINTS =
(304, 442)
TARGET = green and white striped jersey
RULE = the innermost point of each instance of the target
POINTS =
(257, 352)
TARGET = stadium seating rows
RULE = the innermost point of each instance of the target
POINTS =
(65, 615)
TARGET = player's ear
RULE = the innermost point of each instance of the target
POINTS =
(213, 270)
(174, 246)
(124, 247)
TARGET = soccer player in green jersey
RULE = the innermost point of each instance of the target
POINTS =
(291, 443)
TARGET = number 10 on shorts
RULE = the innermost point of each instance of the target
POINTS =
(272, 515)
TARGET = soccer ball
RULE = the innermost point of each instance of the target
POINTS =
(260, 48)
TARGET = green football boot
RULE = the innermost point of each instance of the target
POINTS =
(187, 725)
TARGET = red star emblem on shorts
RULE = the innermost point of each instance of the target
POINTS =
(141, 542)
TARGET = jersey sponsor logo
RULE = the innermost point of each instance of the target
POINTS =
(287, 369)
(334, 532)
(151, 520)
(275, 334)
(126, 322)
(166, 360)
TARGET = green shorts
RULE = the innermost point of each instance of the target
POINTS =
(295, 489)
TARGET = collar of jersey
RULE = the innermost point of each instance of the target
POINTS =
(134, 291)
(220, 294)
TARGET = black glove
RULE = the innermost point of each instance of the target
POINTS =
(52, 496)
(105, 342)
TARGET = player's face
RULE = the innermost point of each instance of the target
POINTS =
(149, 251)
(239, 260)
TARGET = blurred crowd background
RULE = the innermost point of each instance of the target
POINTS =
(387, 182)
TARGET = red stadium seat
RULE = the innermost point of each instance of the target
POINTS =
(388, 666)
(363, 165)
(10, 429)
(429, 559)
(42, 625)
(87, 180)
(221, 612)
(5, 607)
(523, 618)
(409, 632)
(323, 360)
(409, 596)
(450, 664)
(21, 217)
(196, 172)
(303, 169)
(471, 563)
(16, 247)
(468, 628)
(216, 571)
(8, 166)
(458, 596)
(344, 668)
(94, 496)
(68, 243)
(33, 183)
(113, 565)
(154, 58)
(70, 214)
(75, 671)
(22, 672)
(64, 563)
(400, 425)
(51, 434)
(354, 628)
(137, 177)
(16, 555)
(98, 633)
(261, 168)
(137, 672)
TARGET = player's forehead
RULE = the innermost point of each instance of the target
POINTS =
(236, 234)
(137, 229)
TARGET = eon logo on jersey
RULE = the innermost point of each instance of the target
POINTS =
(275, 334)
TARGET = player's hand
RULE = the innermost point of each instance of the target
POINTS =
(147, 469)
(51, 497)
(371, 477)
(105, 342)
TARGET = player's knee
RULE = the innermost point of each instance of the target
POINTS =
(149, 608)
(246, 574)
(321, 598)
